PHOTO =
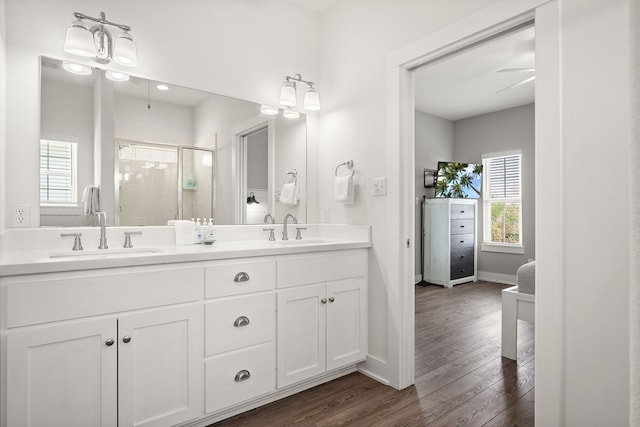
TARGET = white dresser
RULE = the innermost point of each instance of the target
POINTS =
(450, 241)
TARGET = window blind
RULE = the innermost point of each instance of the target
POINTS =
(502, 214)
(58, 172)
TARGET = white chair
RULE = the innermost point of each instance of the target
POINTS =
(518, 303)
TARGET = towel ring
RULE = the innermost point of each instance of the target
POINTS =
(348, 164)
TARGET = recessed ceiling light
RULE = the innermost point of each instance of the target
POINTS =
(75, 68)
(162, 87)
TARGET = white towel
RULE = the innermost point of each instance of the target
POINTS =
(185, 232)
(91, 200)
(289, 194)
(343, 189)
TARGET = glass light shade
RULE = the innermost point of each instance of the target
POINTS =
(124, 51)
(162, 87)
(288, 95)
(79, 41)
(116, 76)
(269, 110)
(75, 68)
(311, 100)
(290, 114)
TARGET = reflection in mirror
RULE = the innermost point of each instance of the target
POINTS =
(92, 115)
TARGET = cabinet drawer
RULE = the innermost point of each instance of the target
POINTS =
(233, 323)
(239, 277)
(304, 270)
(461, 256)
(61, 296)
(462, 226)
(239, 375)
(462, 268)
(462, 211)
(460, 241)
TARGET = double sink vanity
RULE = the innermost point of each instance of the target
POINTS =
(163, 335)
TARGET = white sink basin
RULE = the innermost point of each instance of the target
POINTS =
(303, 241)
(104, 253)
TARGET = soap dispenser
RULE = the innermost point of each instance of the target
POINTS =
(209, 234)
(199, 232)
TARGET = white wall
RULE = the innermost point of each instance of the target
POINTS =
(512, 129)
(3, 117)
(634, 301)
(216, 46)
(434, 142)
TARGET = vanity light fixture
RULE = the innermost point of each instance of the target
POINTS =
(269, 110)
(98, 43)
(162, 87)
(290, 114)
(75, 68)
(288, 95)
(116, 76)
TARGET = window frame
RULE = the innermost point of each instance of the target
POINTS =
(504, 247)
(74, 201)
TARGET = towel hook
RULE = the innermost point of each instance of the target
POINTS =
(348, 164)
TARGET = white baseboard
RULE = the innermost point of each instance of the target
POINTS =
(418, 278)
(374, 367)
(507, 279)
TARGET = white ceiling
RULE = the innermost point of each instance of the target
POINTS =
(466, 84)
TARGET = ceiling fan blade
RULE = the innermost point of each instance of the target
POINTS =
(527, 80)
(511, 70)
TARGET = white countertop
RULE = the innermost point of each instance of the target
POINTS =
(33, 260)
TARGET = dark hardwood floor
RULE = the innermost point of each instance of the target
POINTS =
(461, 379)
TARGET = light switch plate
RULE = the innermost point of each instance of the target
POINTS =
(380, 186)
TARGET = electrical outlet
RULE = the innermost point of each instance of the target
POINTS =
(379, 186)
(21, 216)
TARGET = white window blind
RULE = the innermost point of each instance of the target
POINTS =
(502, 200)
(58, 173)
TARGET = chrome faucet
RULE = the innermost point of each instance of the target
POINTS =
(102, 223)
(269, 218)
(285, 235)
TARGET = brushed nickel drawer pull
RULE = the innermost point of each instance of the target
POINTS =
(332, 299)
(126, 339)
(242, 376)
(109, 342)
(241, 277)
(323, 300)
(241, 321)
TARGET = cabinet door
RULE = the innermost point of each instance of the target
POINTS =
(346, 322)
(63, 375)
(160, 367)
(301, 333)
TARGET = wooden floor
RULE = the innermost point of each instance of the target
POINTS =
(461, 379)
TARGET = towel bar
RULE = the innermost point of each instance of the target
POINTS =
(348, 164)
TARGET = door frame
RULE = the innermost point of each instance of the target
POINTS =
(400, 156)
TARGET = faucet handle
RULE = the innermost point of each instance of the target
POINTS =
(298, 235)
(127, 238)
(271, 230)
(77, 243)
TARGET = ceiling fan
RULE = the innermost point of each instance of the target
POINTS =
(516, 70)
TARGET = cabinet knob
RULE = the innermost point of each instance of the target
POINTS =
(461, 241)
(241, 321)
(462, 226)
(242, 376)
(323, 300)
(332, 299)
(241, 277)
(126, 339)
(109, 342)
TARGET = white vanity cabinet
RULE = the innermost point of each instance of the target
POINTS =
(322, 314)
(136, 362)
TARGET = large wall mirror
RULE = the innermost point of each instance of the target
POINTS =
(159, 152)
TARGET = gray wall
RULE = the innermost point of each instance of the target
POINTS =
(434, 142)
(512, 129)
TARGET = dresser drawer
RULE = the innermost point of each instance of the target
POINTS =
(462, 226)
(239, 375)
(52, 297)
(462, 211)
(461, 256)
(239, 277)
(460, 241)
(309, 269)
(233, 323)
(461, 267)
